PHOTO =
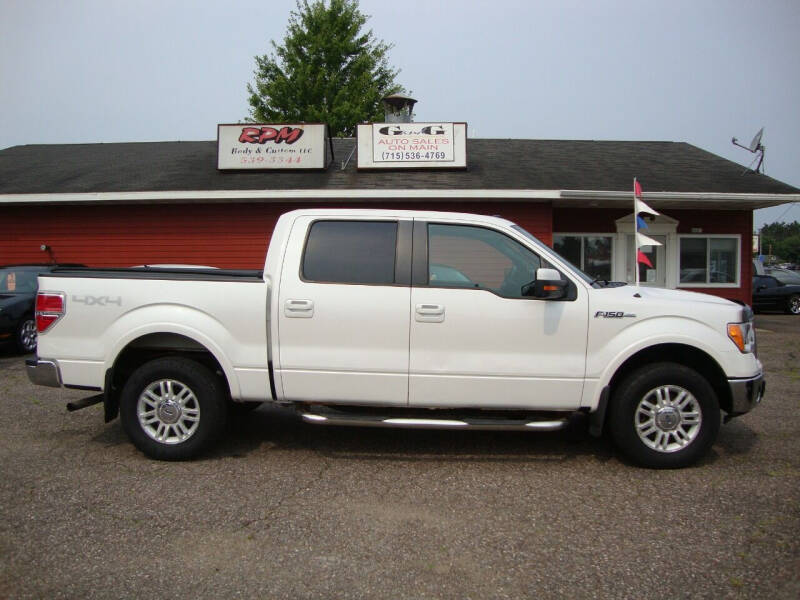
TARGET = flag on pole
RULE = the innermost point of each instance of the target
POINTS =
(643, 240)
(642, 258)
(639, 207)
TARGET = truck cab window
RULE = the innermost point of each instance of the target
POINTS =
(475, 257)
(350, 252)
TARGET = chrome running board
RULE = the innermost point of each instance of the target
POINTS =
(316, 418)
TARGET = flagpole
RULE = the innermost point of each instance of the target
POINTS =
(635, 238)
(640, 240)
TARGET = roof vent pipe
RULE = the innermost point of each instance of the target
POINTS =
(398, 108)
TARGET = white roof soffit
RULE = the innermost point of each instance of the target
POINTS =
(559, 198)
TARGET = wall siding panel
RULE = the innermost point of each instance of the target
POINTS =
(232, 235)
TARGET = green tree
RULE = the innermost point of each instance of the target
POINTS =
(783, 238)
(327, 70)
(789, 249)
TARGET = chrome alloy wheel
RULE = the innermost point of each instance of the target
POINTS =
(28, 335)
(794, 305)
(168, 411)
(668, 418)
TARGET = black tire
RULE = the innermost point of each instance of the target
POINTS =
(678, 438)
(793, 304)
(26, 335)
(189, 422)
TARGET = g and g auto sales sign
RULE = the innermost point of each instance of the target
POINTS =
(272, 146)
(399, 145)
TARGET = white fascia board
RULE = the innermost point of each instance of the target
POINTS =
(563, 197)
(276, 196)
(742, 201)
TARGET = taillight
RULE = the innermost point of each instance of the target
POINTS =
(50, 307)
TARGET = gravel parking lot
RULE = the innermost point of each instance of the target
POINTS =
(288, 510)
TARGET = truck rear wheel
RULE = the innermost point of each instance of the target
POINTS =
(664, 416)
(172, 408)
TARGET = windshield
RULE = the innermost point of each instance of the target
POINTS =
(18, 280)
(785, 276)
(576, 270)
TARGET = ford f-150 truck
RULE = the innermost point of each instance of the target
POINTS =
(390, 318)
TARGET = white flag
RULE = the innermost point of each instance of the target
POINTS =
(641, 207)
(643, 240)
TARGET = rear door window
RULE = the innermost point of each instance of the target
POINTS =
(351, 252)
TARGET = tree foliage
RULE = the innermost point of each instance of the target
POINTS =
(783, 239)
(327, 70)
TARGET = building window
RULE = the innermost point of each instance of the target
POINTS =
(709, 260)
(351, 252)
(590, 252)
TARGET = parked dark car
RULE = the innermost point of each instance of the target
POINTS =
(784, 275)
(18, 286)
(771, 294)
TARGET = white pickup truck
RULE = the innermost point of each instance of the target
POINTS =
(389, 318)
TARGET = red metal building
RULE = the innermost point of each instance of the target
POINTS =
(149, 203)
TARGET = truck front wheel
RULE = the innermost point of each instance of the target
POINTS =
(664, 416)
(172, 408)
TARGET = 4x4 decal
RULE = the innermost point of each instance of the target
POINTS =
(97, 300)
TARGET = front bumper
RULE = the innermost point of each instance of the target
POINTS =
(746, 394)
(43, 372)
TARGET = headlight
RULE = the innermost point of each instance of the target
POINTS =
(743, 335)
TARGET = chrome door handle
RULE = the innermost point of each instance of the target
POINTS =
(429, 313)
(299, 309)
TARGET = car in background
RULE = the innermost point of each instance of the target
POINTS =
(769, 293)
(784, 275)
(18, 287)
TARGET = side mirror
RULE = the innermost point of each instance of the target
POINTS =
(547, 286)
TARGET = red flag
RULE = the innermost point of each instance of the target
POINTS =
(637, 189)
(642, 258)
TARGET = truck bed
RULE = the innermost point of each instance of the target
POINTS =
(173, 273)
(111, 312)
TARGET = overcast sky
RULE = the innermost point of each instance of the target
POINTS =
(695, 71)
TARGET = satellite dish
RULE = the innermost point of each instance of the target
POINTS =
(754, 147)
(756, 140)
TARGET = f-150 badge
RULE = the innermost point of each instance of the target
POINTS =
(612, 314)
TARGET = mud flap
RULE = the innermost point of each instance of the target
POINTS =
(598, 417)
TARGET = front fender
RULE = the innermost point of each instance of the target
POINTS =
(608, 350)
